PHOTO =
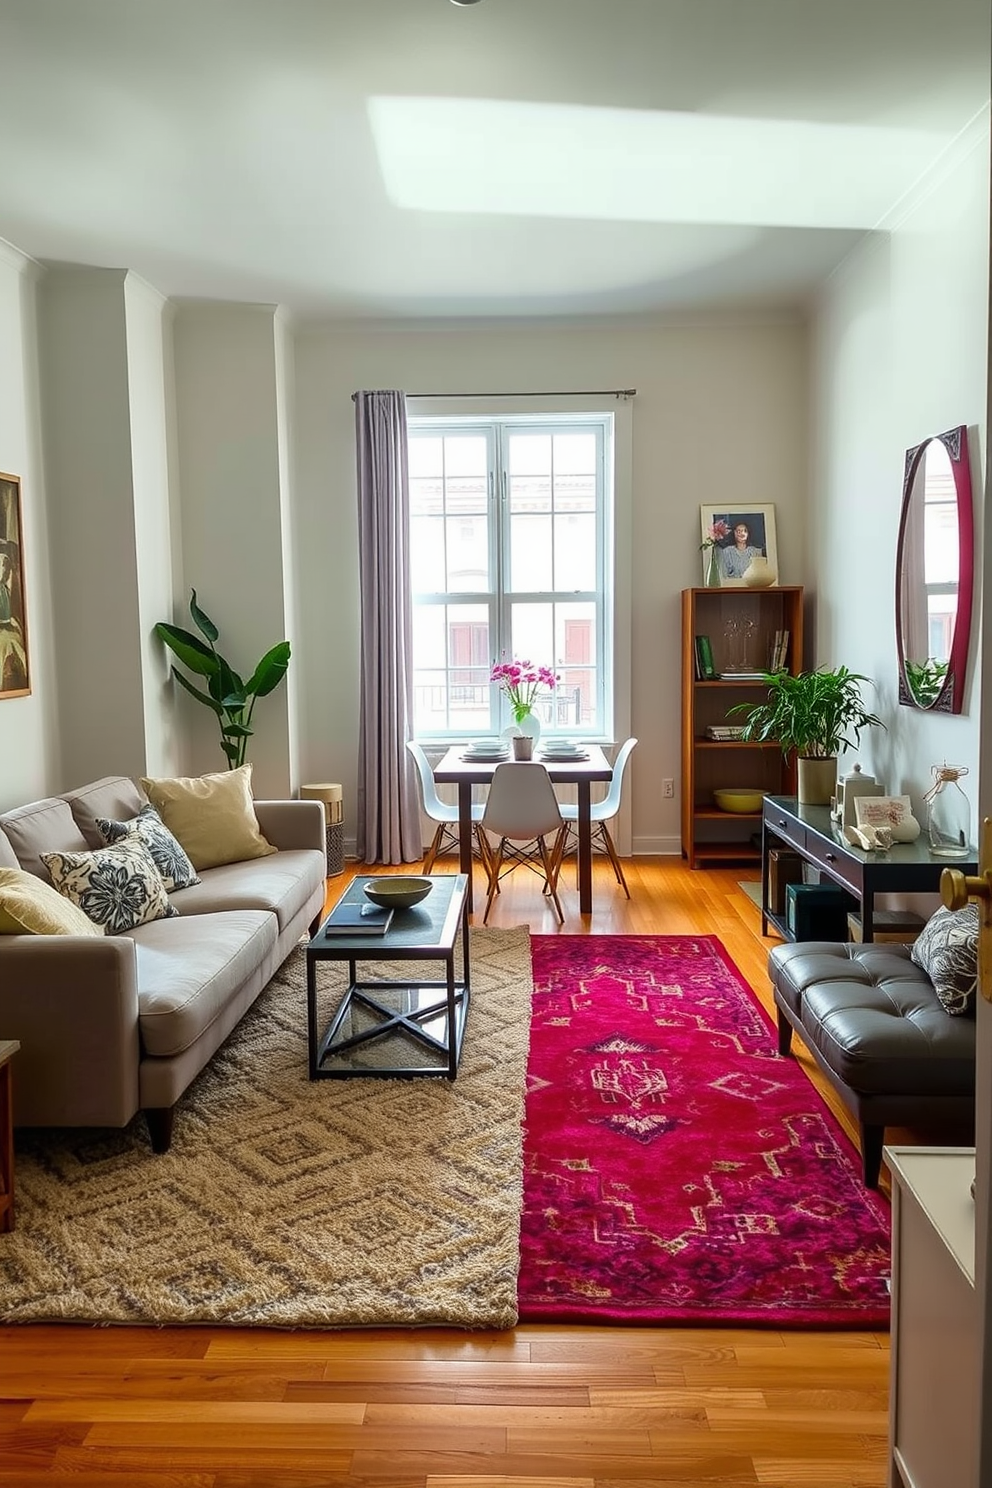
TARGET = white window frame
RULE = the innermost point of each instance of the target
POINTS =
(498, 427)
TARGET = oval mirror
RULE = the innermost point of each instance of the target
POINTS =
(934, 573)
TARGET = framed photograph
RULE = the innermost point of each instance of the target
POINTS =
(734, 538)
(15, 672)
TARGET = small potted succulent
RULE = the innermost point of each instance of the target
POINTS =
(814, 715)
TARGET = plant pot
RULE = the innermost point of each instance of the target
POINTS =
(817, 781)
(523, 747)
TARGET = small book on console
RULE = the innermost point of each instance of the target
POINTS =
(358, 919)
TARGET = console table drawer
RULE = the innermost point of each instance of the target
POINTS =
(840, 865)
(786, 826)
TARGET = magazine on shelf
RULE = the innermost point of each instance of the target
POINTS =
(357, 919)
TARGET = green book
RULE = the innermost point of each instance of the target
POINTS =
(705, 669)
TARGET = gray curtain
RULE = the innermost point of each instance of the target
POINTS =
(388, 827)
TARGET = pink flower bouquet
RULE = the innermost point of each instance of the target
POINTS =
(521, 681)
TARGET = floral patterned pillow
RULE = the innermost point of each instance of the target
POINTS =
(118, 887)
(947, 950)
(167, 851)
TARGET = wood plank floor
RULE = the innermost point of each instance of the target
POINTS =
(579, 1407)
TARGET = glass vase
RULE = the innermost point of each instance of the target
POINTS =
(948, 813)
(713, 568)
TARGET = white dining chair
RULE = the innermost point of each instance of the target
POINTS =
(522, 812)
(604, 811)
(446, 816)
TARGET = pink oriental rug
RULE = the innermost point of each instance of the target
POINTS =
(676, 1170)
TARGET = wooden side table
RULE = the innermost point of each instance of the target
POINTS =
(8, 1048)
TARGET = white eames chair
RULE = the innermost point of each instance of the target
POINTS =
(439, 811)
(522, 812)
(605, 810)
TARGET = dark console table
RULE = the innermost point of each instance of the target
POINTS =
(907, 867)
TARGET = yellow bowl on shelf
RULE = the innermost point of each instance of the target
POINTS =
(739, 799)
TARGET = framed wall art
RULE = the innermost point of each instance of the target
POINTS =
(15, 670)
(738, 546)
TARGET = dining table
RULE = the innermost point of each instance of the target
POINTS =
(455, 769)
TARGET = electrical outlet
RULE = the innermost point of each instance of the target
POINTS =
(668, 789)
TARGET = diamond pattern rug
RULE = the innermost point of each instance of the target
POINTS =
(290, 1203)
(676, 1169)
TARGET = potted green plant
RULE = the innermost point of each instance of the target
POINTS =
(814, 715)
(231, 698)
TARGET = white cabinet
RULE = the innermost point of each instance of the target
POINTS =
(934, 1402)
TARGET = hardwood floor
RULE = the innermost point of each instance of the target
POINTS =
(559, 1407)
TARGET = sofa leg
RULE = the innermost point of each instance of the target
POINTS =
(160, 1120)
(784, 1034)
(872, 1138)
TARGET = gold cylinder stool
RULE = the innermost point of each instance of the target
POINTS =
(332, 798)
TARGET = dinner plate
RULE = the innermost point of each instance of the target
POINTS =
(563, 756)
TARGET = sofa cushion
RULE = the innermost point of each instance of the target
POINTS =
(947, 950)
(29, 906)
(212, 815)
(282, 883)
(39, 827)
(167, 851)
(113, 796)
(189, 969)
(8, 857)
(118, 887)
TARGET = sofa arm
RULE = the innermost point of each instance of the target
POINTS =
(292, 824)
(72, 1002)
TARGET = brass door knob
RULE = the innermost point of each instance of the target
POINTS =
(956, 888)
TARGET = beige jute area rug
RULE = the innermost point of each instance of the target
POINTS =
(290, 1203)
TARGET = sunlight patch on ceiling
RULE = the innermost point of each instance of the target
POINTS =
(491, 156)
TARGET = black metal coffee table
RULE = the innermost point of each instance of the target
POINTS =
(395, 1027)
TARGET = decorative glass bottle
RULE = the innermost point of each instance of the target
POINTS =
(948, 812)
(713, 568)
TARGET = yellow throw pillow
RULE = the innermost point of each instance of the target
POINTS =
(29, 906)
(213, 816)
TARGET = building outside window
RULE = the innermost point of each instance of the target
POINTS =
(511, 534)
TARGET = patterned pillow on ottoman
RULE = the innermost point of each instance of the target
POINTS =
(947, 950)
(118, 887)
(167, 851)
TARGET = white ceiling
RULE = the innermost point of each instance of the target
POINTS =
(411, 158)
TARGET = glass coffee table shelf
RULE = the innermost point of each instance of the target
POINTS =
(395, 1026)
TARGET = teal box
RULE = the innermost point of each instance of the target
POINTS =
(817, 911)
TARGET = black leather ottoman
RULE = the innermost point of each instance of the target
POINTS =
(874, 1025)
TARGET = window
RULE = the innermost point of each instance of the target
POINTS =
(510, 544)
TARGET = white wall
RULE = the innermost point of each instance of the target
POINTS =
(720, 413)
(899, 354)
(28, 725)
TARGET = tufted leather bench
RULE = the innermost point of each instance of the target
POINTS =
(874, 1025)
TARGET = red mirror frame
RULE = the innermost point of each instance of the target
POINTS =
(951, 695)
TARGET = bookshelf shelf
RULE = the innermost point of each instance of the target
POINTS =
(732, 629)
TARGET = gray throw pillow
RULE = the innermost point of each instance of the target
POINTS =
(947, 950)
(166, 851)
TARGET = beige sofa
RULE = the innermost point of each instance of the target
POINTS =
(110, 1025)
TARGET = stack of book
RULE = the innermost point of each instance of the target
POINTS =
(724, 733)
(778, 651)
(744, 674)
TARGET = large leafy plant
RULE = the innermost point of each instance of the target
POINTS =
(232, 699)
(816, 714)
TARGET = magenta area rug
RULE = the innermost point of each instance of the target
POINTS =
(676, 1169)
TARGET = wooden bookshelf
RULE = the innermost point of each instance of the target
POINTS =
(742, 626)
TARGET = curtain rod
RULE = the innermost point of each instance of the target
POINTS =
(567, 393)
